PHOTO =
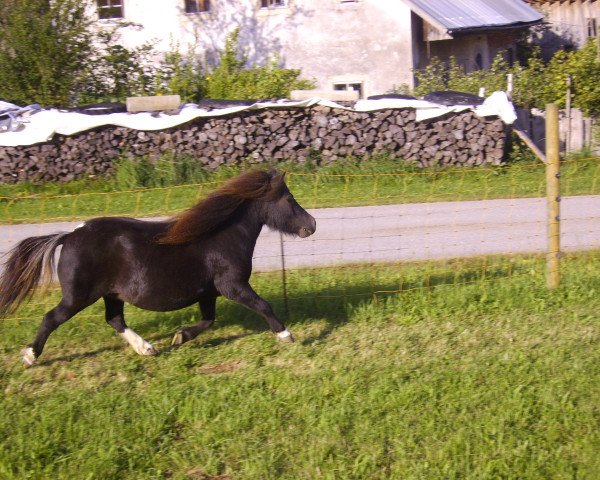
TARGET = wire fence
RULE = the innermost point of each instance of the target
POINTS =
(378, 234)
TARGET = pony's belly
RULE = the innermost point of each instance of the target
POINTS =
(163, 305)
(164, 300)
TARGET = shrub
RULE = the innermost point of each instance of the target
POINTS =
(44, 50)
(51, 54)
(231, 79)
(535, 83)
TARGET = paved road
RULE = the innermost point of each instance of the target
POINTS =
(409, 232)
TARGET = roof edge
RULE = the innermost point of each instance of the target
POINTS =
(425, 16)
(507, 26)
(463, 30)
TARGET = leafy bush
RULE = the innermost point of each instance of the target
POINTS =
(181, 74)
(116, 72)
(44, 50)
(51, 54)
(231, 79)
(535, 83)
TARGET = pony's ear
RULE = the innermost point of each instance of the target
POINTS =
(276, 176)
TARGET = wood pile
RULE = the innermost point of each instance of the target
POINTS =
(269, 135)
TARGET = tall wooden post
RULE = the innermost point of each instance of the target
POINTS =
(553, 195)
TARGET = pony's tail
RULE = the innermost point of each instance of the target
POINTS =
(23, 270)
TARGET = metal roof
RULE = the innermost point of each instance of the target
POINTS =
(457, 15)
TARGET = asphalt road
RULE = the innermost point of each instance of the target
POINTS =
(408, 232)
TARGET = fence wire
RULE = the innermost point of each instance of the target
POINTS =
(378, 234)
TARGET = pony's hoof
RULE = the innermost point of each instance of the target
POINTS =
(285, 337)
(178, 339)
(149, 350)
(28, 357)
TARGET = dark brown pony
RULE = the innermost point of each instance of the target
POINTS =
(192, 258)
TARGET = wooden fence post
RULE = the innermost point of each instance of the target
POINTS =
(553, 196)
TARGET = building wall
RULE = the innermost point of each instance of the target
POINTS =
(373, 45)
(567, 23)
(366, 42)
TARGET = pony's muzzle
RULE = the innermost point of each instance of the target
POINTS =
(309, 229)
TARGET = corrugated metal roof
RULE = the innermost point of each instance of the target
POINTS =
(472, 14)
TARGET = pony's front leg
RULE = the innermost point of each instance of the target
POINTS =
(208, 307)
(115, 317)
(243, 294)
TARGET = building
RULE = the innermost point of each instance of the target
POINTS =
(568, 24)
(371, 46)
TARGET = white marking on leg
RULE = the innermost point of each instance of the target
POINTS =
(285, 336)
(140, 345)
(28, 357)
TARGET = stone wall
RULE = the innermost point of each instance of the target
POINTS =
(267, 135)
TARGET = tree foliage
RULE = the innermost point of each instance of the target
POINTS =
(231, 78)
(51, 54)
(44, 47)
(535, 83)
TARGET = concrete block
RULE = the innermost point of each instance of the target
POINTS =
(153, 104)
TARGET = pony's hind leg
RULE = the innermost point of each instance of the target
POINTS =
(52, 320)
(185, 334)
(243, 294)
(115, 318)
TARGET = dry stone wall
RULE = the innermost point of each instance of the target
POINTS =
(269, 135)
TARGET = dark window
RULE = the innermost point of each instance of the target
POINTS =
(592, 28)
(478, 61)
(110, 9)
(272, 3)
(510, 57)
(197, 6)
(357, 87)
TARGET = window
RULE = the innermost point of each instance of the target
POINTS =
(510, 57)
(110, 9)
(272, 3)
(592, 28)
(197, 6)
(357, 87)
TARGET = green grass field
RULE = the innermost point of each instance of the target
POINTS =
(474, 370)
(376, 182)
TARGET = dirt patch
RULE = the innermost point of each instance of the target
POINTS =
(219, 368)
(198, 474)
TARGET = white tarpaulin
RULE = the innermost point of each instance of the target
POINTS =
(41, 126)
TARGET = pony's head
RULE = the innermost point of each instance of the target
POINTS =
(282, 212)
(265, 192)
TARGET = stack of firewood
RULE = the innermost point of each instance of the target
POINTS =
(268, 135)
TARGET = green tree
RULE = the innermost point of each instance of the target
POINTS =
(181, 74)
(535, 83)
(232, 79)
(52, 54)
(44, 50)
(583, 67)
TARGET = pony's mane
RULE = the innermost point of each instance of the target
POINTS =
(214, 211)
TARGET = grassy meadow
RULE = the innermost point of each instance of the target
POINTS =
(134, 191)
(458, 369)
(466, 369)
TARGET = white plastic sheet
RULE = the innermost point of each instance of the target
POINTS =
(42, 126)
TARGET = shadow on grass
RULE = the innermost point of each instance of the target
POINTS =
(313, 295)
(312, 300)
(76, 356)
